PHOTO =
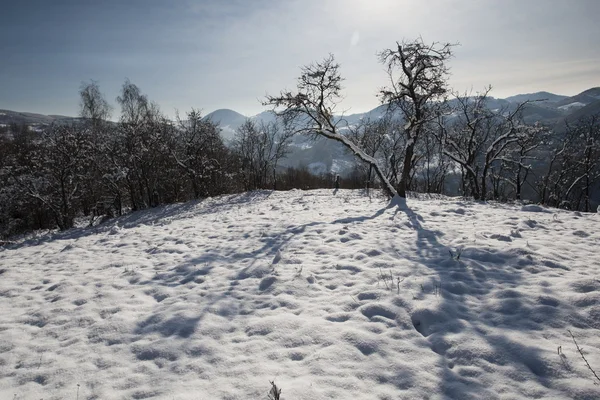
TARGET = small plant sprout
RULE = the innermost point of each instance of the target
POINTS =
(388, 280)
(456, 256)
(398, 280)
(78, 391)
(559, 349)
(275, 392)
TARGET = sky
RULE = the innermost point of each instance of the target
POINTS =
(230, 53)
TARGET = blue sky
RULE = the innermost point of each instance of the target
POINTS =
(229, 54)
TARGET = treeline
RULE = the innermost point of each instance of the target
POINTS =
(474, 151)
(99, 168)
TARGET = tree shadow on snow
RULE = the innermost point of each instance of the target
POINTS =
(157, 216)
(492, 277)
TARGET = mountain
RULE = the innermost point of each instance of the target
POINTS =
(543, 97)
(229, 121)
(580, 100)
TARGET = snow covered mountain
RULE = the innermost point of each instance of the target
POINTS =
(330, 296)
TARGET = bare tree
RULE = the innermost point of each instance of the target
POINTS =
(480, 141)
(465, 136)
(574, 165)
(199, 152)
(373, 136)
(51, 170)
(310, 110)
(93, 105)
(518, 162)
(260, 148)
(418, 82)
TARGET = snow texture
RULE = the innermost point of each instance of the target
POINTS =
(331, 296)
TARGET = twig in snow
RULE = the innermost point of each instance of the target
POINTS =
(398, 282)
(275, 392)
(383, 277)
(584, 359)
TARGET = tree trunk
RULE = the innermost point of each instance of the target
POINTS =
(406, 167)
(483, 190)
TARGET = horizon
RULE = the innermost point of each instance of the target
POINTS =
(204, 114)
(212, 56)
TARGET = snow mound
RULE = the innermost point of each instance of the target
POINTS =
(330, 297)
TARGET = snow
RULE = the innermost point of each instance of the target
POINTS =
(575, 104)
(331, 296)
(302, 145)
(340, 166)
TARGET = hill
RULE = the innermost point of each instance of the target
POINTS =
(229, 121)
(8, 117)
(580, 100)
(329, 295)
(538, 96)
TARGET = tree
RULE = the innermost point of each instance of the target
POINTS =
(53, 170)
(480, 140)
(142, 129)
(260, 148)
(102, 192)
(310, 110)
(465, 136)
(518, 162)
(573, 165)
(93, 105)
(199, 152)
(373, 137)
(418, 82)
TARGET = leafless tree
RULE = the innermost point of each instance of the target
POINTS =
(51, 172)
(573, 165)
(260, 148)
(375, 138)
(93, 105)
(199, 152)
(417, 74)
(518, 162)
(311, 108)
(479, 140)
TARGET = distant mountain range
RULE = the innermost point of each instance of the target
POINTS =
(322, 156)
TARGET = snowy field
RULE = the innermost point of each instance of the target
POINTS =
(330, 296)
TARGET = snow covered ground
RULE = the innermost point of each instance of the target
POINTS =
(330, 296)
